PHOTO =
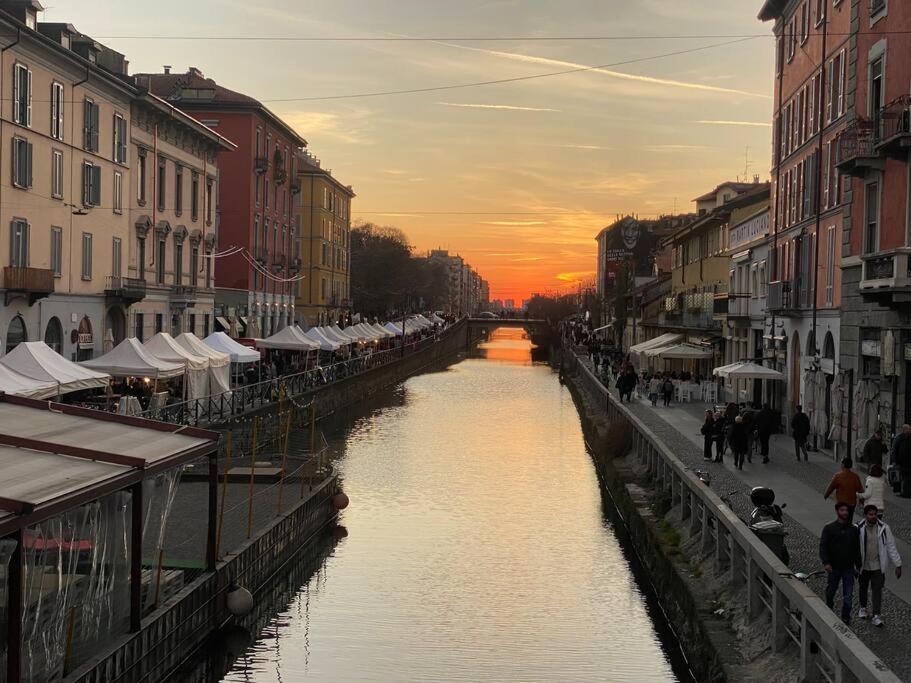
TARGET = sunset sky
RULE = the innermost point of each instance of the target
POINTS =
(516, 177)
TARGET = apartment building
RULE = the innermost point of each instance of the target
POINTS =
(804, 295)
(64, 119)
(455, 290)
(872, 152)
(173, 226)
(257, 200)
(323, 245)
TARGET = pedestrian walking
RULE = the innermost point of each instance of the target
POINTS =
(708, 435)
(877, 553)
(846, 486)
(903, 462)
(654, 389)
(739, 440)
(668, 390)
(749, 424)
(839, 552)
(765, 425)
(874, 450)
(874, 490)
(719, 437)
(800, 430)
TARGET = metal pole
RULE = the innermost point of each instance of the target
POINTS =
(281, 483)
(224, 491)
(212, 524)
(252, 477)
(14, 613)
(136, 506)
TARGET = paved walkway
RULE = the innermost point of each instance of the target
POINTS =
(801, 486)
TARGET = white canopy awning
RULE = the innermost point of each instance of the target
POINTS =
(11, 382)
(39, 362)
(437, 319)
(287, 339)
(332, 335)
(131, 359)
(664, 340)
(344, 334)
(238, 352)
(681, 352)
(382, 331)
(746, 370)
(165, 347)
(197, 347)
(313, 334)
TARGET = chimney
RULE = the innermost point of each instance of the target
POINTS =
(167, 69)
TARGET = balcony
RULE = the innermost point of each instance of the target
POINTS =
(738, 305)
(855, 151)
(261, 164)
(261, 255)
(32, 283)
(895, 128)
(183, 295)
(887, 275)
(783, 298)
(720, 306)
(127, 289)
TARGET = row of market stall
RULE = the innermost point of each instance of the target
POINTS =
(205, 366)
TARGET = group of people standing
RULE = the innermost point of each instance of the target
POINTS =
(738, 428)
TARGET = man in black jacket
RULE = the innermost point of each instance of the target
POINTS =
(839, 551)
(800, 428)
(765, 425)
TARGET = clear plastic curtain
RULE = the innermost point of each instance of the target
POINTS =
(76, 586)
(7, 548)
(158, 494)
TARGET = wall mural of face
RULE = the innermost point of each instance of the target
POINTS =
(630, 233)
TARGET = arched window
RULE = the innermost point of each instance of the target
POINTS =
(86, 343)
(15, 333)
(53, 334)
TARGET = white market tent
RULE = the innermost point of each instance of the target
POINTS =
(663, 340)
(681, 352)
(394, 329)
(166, 348)
(325, 344)
(437, 319)
(332, 335)
(357, 334)
(239, 353)
(747, 370)
(39, 362)
(422, 321)
(382, 330)
(131, 359)
(219, 363)
(371, 332)
(287, 339)
(344, 334)
(11, 382)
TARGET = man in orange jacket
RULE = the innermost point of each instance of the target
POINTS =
(846, 485)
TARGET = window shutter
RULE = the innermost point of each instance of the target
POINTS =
(96, 185)
(15, 168)
(28, 95)
(86, 185)
(86, 124)
(28, 164)
(829, 92)
(95, 127)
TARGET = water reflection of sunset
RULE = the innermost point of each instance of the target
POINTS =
(507, 345)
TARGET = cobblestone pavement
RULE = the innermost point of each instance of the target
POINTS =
(890, 642)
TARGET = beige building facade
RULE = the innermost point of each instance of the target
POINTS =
(322, 244)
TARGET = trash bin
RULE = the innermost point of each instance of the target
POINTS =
(772, 533)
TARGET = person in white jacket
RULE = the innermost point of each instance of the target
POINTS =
(877, 552)
(875, 490)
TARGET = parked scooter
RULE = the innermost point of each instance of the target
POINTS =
(766, 521)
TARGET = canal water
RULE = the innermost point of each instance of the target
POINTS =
(477, 548)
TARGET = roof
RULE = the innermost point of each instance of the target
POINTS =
(131, 359)
(175, 88)
(38, 361)
(772, 9)
(310, 166)
(737, 187)
(45, 474)
(154, 101)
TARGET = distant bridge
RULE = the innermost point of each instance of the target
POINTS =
(530, 324)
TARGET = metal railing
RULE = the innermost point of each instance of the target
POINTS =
(221, 408)
(857, 141)
(28, 279)
(895, 119)
(827, 649)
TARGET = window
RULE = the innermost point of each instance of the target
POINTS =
(209, 271)
(791, 38)
(141, 258)
(57, 251)
(194, 265)
(804, 22)
(86, 256)
(139, 326)
(821, 11)
(871, 217)
(209, 182)
(22, 163)
(53, 334)
(159, 322)
(178, 190)
(57, 111)
(258, 186)
(118, 192)
(876, 89)
(18, 243)
(141, 175)
(830, 265)
(90, 125)
(779, 55)
(57, 174)
(91, 184)
(877, 6)
(22, 95)
(159, 262)
(116, 257)
(16, 333)
(266, 193)
(835, 106)
(120, 139)
(191, 323)
(205, 325)
(178, 264)
(194, 196)
(162, 180)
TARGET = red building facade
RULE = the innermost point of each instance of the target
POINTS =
(808, 196)
(258, 203)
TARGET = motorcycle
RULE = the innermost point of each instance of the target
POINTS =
(766, 521)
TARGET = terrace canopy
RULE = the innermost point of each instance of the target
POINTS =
(325, 344)
(238, 352)
(382, 331)
(131, 359)
(746, 370)
(370, 332)
(12, 382)
(681, 352)
(164, 347)
(332, 335)
(219, 363)
(287, 339)
(344, 334)
(393, 329)
(38, 361)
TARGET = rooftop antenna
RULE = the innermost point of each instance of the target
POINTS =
(747, 165)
